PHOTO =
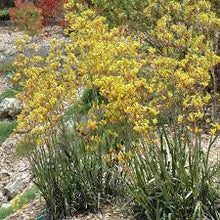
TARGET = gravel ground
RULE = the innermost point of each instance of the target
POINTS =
(8, 36)
(35, 208)
(29, 212)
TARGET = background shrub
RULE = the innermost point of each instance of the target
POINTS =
(50, 9)
(123, 12)
(4, 15)
(26, 17)
(6, 3)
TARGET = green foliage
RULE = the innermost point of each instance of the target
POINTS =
(7, 69)
(29, 195)
(5, 212)
(170, 181)
(6, 128)
(73, 175)
(70, 111)
(88, 98)
(26, 197)
(9, 93)
(19, 202)
(4, 15)
(85, 103)
(123, 12)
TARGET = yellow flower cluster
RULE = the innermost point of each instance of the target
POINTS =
(46, 89)
(141, 88)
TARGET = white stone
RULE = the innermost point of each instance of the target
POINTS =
(10, 108)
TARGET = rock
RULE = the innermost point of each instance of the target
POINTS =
(2, 58)
(16, 187)
(5, 172)
(15, 175)
(12, 189)
(10, 108)
(5, 205)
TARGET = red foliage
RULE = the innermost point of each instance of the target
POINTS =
(19, 3)
(50, 9)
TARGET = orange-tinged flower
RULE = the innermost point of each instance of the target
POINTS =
(92, 125)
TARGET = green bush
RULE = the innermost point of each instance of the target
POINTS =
(123, 12)
(172, 181)
(4, 15)
(73, 176)
(85, 103)
(5, 212)
(6, 128)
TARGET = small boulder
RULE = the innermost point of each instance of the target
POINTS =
(10, 108)
(5, 205)
(12, 189)
(17, 186)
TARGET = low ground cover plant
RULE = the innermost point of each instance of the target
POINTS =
(9, 93)
(19, 202)
(6, 129)
(7, 68)
(5, 212)
(149, 109)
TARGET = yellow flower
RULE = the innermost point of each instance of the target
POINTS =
(180, 119)
(136, 86)
(207, 98)
(199, 115)
(129, 154)
(197, 130)
(154, 121)
(108, 159)
(217, 127)
(191, 117)
(92, 125)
